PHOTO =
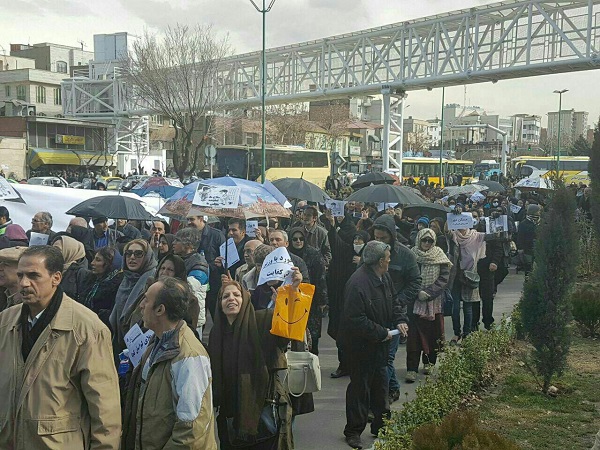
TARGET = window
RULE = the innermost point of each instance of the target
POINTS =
(57, 97)
(40, 94)
(61, 66)
(21, 93)
(7, 91)
(156, 119)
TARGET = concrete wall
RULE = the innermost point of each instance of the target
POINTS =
(13, 156)
(31, 78)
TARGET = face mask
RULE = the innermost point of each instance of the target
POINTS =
(358, 248)
(452, 207)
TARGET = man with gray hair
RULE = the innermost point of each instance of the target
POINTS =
(42, 223)
(372, 315)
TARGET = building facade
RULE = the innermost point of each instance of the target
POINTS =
(572, 125)
(52, 57)
(30, 92)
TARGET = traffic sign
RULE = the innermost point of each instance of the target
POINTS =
(210, 151)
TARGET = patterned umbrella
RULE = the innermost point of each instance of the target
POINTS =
(165, 187)
(225, 197)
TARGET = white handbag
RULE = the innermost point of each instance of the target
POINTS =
(303, 373)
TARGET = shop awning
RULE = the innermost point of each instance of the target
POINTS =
(49, 156)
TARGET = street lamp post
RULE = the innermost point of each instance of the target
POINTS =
(263, 80)
(442, 140)
(560, 93)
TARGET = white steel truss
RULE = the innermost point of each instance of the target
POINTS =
(509, 39)
(504, 40)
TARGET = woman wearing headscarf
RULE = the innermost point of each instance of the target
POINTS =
(469, 247)
(75, 268)
(245, 359)
(426, 313)
(102, 283)
(316, 270)
(165, 245)
(139, 264)
(169, 266)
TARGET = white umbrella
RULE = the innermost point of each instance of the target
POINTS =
(467, 189)
(534, 184)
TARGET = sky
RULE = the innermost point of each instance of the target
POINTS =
(291, 21)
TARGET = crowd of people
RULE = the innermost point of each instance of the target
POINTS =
(74, 311)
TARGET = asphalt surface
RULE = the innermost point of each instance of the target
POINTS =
(323, 429)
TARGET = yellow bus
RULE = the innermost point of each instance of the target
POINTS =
(421, 166)
(282, 161)
(461, 167)
(570, 166)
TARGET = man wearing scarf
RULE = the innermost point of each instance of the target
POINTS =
(53, 362)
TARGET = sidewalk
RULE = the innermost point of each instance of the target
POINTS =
(323, 429)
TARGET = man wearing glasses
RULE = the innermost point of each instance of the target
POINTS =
(42, 223)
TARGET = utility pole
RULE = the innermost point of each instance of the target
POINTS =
(263, 80)
(560, 93)
(442, 140)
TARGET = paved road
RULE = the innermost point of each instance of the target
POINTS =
(323, 429)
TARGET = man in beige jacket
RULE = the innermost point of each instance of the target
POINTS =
(57, 375)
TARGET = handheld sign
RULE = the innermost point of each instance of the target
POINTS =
(336, 207)
(514, 208)
(137, 342)
(38, 239)
(230, 254)
(276, 266)
(499, 225)
(477, 197)
(462, 221)
(217, 196)
(251, 227)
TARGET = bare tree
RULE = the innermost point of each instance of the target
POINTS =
(288, 123)
(175, 74)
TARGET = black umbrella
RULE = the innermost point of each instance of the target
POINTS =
(301, 189)
(430, 210)
(386, 193)
(493, 185)
(111, 206)
(373, 178)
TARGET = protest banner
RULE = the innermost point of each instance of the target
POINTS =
(462, 221)
(230, 254)
(336, 207)
(251, 227)
(276, 266)
(217, 197)
(137, 342)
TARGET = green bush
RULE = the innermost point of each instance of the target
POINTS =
(586, 308)
(589, 263)
(459, 431)
(459, 372)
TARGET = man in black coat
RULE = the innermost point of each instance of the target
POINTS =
(486, 268)
(526, 236)
(372, 314)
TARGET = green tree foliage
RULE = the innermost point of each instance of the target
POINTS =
(586, 309)
(545, 305)
(581, 147)
(594, 169)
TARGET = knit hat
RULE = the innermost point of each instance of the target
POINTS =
(424, 221)
(15, 232)
(12, 254)
(534, 210)
(261, 252)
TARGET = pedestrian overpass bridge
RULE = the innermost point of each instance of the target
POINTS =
(504, 40)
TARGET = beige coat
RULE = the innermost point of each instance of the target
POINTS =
(67, 395)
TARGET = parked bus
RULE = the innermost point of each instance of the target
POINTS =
(570, 166)
(281, 162)
(421, 166)
(487, 167)
(461, 167)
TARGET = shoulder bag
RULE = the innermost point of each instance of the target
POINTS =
(470, 278)
(303, 373)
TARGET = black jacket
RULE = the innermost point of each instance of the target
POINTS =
(526, 236)
(73, 279)
(404, 269)
(210, 243)
(99, 294)
(371, 308)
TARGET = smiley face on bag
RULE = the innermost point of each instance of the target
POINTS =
(296, 309)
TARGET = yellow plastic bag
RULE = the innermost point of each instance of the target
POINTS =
(292, 308)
